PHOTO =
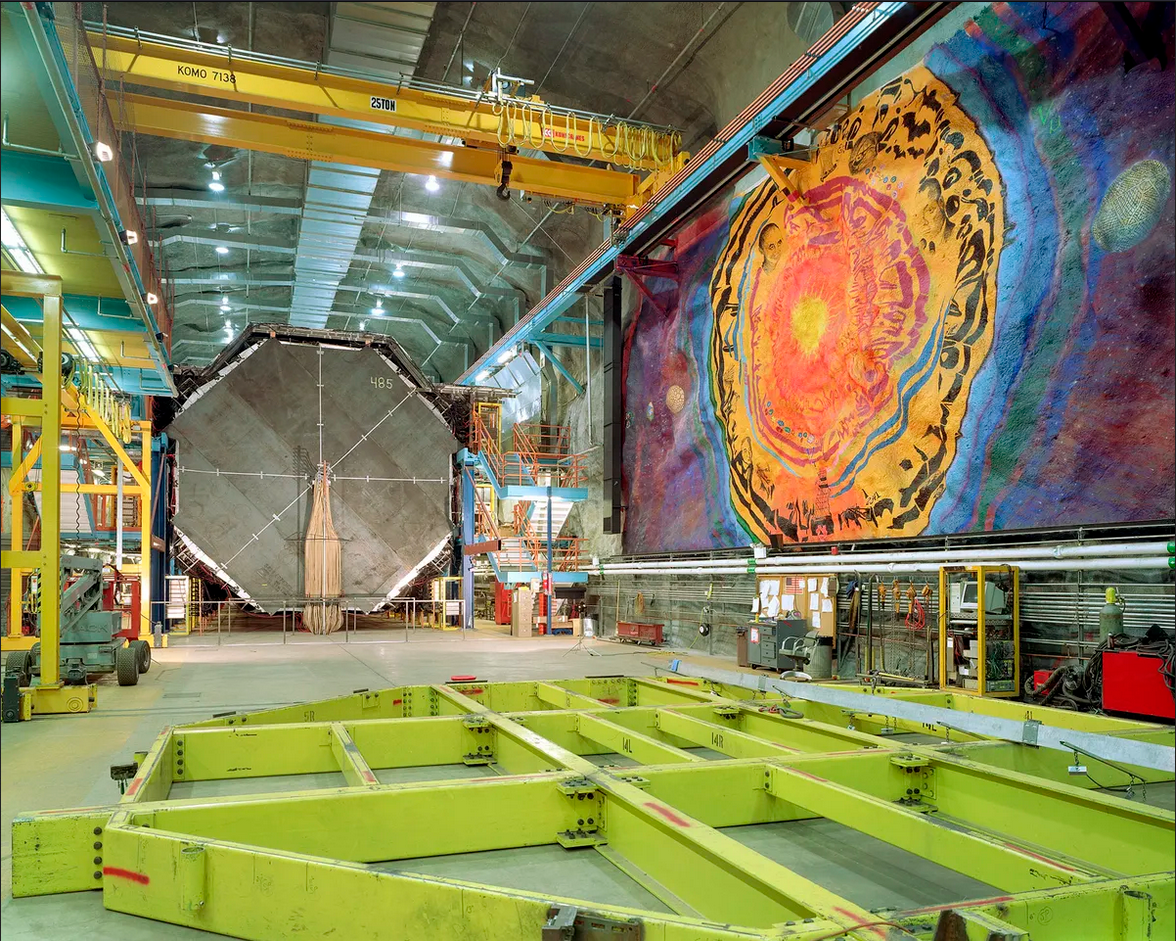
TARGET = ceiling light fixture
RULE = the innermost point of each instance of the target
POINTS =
(84, 346)
(225, 308)
(16, 246)
(65, 447)
(399, 272)
(103, 152)
(363, 325)
(432, 185)
(378, 310)
(216, 187)
(222, 249)
(216, 174)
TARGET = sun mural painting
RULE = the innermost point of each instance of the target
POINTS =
(852, 310)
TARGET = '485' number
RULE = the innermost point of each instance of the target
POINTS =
(382, 382)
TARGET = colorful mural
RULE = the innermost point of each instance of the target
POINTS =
(957, 316)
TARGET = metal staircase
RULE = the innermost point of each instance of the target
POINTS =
(541, 474)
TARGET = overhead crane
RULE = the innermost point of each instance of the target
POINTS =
(492, 123)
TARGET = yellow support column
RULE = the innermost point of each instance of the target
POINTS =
(981, 634)
(15, 591)
(145, 536)
(50, 618)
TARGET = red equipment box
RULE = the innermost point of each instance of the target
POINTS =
(635, 633)
(1133, 683)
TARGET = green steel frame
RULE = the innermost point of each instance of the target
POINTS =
(1070, 862)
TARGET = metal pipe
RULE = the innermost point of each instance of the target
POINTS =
(1028, 565)
(118, 520)
(1059, 551)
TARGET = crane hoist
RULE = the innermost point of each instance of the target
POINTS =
(481, 131)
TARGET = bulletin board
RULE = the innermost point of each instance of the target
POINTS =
(812, 597)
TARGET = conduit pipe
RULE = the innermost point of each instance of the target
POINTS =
(1121, 563)
(1105, 550)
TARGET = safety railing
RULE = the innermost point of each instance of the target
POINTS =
(530, 464)
(217, 623)
(540, 441)
(565, 550)
(485, 523)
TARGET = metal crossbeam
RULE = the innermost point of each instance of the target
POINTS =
(1073, 863)
(1028, 731)
(219, 72)
(308, 140)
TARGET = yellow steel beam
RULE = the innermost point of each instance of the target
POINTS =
(144, 480)
(299, 88)
(16, 537)
(18, 341)
(99, 423)
(308, 140)
(50, 583)
(21, 471)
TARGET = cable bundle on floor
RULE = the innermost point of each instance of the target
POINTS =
(324, 564)
(1080, 688)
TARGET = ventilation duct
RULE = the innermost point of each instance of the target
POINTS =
(384, 39)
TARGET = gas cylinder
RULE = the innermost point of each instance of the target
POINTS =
(1110, 619)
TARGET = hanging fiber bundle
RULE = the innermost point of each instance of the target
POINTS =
(324, 564)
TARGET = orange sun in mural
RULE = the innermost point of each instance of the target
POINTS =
(836, 323)
(851, 313)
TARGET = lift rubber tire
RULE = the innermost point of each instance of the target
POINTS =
(126, 666)
(144, 651)
(21, 663)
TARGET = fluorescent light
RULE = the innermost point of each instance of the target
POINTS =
(216, 174)
(482, 376)
(216, 187)
(399, 272)
(16, 246)
(432, 185)
(507, 355)
(8, 233)
(416, 218)
(222, 249)
(83, 344)
(225, 308)
(25, 261)
(363, 325)
(103, 152)
(65, 447)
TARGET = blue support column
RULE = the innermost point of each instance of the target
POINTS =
(467, 538)
(550, 567)
(160, 526)
(560, 367)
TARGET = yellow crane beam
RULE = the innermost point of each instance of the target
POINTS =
(298, 87)
(309, 140)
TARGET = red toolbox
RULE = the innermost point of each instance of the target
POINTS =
(635, 633)
(1134, 683)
